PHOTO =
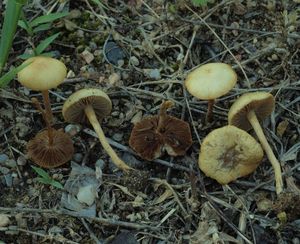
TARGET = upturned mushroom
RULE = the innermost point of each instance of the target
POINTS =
(155, 134)
(229, 153)
(209, 82)
(92, 105)
(50, 148)
(246, 112)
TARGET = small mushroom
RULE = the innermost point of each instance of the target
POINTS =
(92, 105)
(154, 134)
(210, 81)
(50, 155)
(42, 74)
(246, 112)
(229, 153)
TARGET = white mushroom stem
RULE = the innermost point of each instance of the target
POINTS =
(90, 113)
(262, 138)
(209, 113)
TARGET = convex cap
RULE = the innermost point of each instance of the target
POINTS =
(262, 103)
(228, 153)
(211, 81)
(43, 73)
(73, 108)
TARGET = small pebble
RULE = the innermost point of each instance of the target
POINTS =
(21, 161)
(100, 163)
(86, 194)
(11, 163)
(72, 130)
(118, 136)
(3, 158)
(154, 74)
(134, 61)
(8, 180)
(78, 157)
(4, 170)
(4, 220)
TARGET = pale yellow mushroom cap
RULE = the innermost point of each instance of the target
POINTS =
(211, 81)
(43, 73)
(74, 107)
(262, 103)
(228, 153)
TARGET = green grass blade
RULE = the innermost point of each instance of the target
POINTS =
(42, 27)
(11, 17)
(42, 173)
(47, 18)
(5, 79)
(45, 43)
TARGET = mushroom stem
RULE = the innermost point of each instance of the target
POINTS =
(44, 115)
(47, 105)
(163, 113)
(209, 114)
(262, 138)
(90, 113)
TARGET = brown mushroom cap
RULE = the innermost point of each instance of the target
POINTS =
(262, 103)
(43, 73)
(211, 81)
(228, 153)
(50, 156)
(73, 108)
(149, 142)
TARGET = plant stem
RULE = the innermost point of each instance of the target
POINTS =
(90, 113)
(209, 113)
(262, 138)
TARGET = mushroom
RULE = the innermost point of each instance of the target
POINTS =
(42, 74)
(246, 112)
(228, 153)
(50, 148)
(92, 105)
(154, 134)
(210, 81)
(50, 155)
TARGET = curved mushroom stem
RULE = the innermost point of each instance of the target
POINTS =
(209, 113)
(163, 113)
(90, 113)
(44, 115)
(261, 136)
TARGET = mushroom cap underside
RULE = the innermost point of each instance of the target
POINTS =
(43, 73)
(262, 103)
(74, 107)
(228, 153)
(149, 143)
(50, 156)
(211, 81)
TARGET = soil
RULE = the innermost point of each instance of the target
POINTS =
(139, 53)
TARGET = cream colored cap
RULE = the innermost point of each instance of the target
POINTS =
(228, 153)
(262, 103)
(43, 73)
(73, 108)
(211, 81)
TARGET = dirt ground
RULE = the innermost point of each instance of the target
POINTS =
(139, 53)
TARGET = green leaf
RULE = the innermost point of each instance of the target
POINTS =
(42, 27)
(47, 18)
(23, 25)
(5, 79)
(42, 173)
(9, 26)
(45, 43)
(26, 56)
(44, 181)
(56, 184)
(199, 2)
